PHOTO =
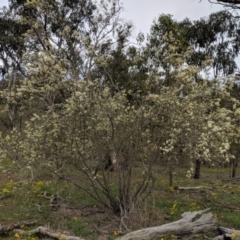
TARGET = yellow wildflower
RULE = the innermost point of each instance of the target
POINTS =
(75, 219)
(173, 209)
(234, 235)
(214, 195)
(38, 186)
(116, 233)
(17, 235)
(6, 190)
(193, 206)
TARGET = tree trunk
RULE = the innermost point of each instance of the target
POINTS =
(170, 175)
(197, 169)
(234, 164)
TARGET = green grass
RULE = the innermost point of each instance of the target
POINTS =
(82, 216)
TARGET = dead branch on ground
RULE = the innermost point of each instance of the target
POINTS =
(46, 232)
(10, 227)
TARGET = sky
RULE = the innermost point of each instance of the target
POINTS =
(3, 2)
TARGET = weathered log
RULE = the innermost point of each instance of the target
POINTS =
(10, 227)
(46, 232)
(190, 224)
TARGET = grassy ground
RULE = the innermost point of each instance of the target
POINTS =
(82, 216)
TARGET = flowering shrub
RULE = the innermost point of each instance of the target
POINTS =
(95, 130)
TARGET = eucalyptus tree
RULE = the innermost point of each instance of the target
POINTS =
(164, 32)
(11, 43)
(123, 69)
(12, 68)
(72, 35)
(215, 38)
(77, 31)
(218, 38)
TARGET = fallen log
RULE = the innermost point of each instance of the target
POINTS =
(10, 227)
(191, 223)
(45, 232)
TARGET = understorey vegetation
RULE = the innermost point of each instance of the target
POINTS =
(83, 107)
